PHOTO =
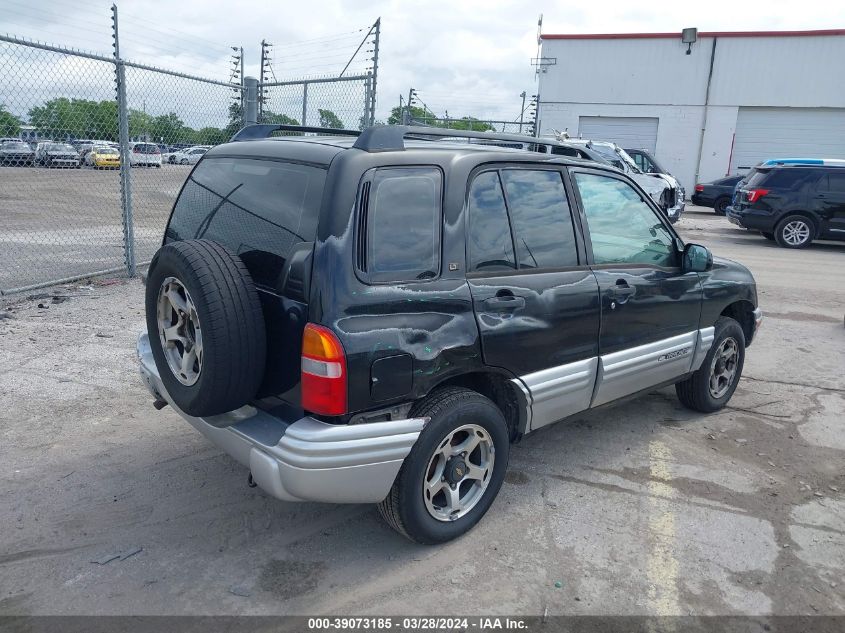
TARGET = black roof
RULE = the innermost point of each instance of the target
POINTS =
(321, 148)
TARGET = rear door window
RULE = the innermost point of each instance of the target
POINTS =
(259, 209)
(542, 223)
(400, 214)
(490, 241)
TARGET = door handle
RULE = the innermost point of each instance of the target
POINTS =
(502, 303)
(622, 291)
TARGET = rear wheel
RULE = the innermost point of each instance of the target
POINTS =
(711, 387)
(455, 470)
(721, 205)
(795, 231)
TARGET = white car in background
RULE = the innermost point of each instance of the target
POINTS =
(144, 154)
(191, 155)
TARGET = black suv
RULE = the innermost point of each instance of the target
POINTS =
(792, 204)
(375, 318)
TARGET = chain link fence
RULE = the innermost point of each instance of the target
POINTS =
(95, 150)
(57, 220)
(336, 102)
(476, 125)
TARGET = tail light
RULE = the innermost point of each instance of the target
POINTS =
(323, 371)
(699, 188)
(753, 195)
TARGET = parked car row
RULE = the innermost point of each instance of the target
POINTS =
(792, 201)
(93, 153)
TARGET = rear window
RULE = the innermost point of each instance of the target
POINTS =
(777, 178)
(146, 148)
(259, 209)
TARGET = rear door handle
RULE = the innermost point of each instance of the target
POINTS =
(622, 291)
(503, 303)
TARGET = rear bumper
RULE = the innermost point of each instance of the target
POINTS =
(303, 459)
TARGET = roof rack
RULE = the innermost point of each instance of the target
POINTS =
(264, 130)
(382, 138)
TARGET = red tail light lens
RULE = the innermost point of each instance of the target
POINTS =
(753, 195)
(699, 187)
(323, 372)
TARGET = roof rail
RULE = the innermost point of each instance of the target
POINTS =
(264, 130)
(380, 138)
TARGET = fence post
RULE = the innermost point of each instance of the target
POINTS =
(375, 73)
(304, 103)
(251, 98)
(365, 120)
(123, 138)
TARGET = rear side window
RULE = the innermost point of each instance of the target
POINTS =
(259, 209)
(399, 212)
(832, 182)
(777, 178)
(542, 224)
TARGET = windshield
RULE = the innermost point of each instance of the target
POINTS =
(105, 150)
(60, 147)
(15, 146)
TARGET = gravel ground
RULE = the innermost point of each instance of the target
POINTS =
(57, 223)
(642, 508)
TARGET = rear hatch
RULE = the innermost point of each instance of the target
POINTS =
(265, 211)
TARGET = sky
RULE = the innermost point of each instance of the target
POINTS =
(465, 57)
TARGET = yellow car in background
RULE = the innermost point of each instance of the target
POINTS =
(103, 157)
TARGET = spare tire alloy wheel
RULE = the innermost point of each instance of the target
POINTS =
(458, 472)
(206, 327)
(179, 331)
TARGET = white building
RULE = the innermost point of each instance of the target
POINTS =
(736, 99)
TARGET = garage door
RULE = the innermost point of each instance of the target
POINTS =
(627, 132)
(763, 133)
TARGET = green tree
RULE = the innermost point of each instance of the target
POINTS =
(329, 119)
(466, 123)
(419, 114)
(10, 125)
(80, 118)
(278, 119)
(168, 128)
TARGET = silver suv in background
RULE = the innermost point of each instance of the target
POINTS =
(664, 189)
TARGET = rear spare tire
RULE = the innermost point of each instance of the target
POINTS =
(205, 326)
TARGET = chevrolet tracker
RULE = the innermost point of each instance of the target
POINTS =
(376, 316)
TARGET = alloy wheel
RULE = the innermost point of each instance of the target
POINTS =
(796, 232)
(179, 330)
(458, 472)
(723, 368)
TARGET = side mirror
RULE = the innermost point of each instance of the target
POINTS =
(697, 258)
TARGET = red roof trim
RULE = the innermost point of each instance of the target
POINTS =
(643, 36)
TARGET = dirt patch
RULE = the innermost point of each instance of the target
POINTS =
(291, 578)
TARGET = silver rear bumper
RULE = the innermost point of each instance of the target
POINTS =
(303, 459)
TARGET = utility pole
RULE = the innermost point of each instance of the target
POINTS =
(522, 111)
(236, 76)
(265, 77)
(406, 118)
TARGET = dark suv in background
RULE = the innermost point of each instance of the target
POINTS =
(375, 316)
(792, 204)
